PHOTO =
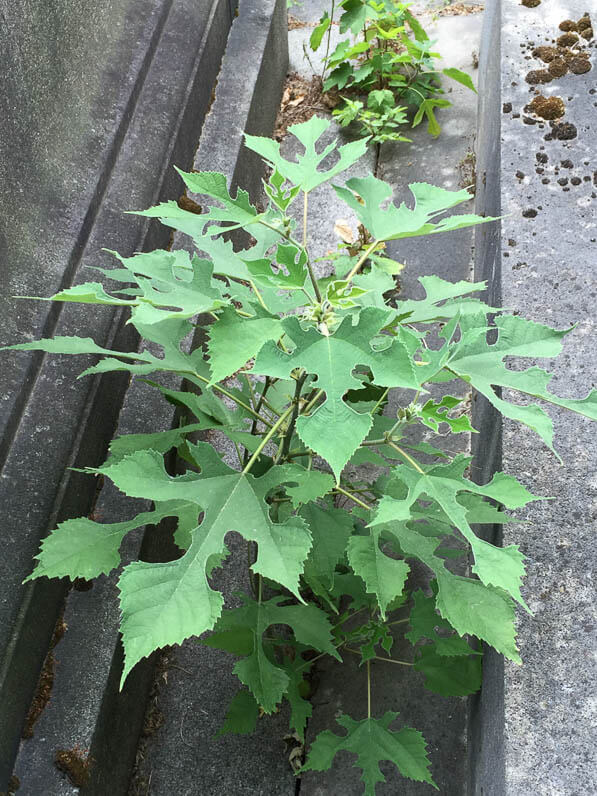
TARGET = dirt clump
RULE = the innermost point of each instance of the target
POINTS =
(45, 682)
(567, 25)
(186, 203)
(294, 23)
(547, 107)
(563, 131)
(531, 3)
(584, 22)
(75, 763)
(587, 33)
(579, 65)
(459, 10)
(558, 67)
(529, 213)
(536, 76)
(545, 54)
(301, 99)
(567, 39)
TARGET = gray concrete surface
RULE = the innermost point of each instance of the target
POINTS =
(546, 741)
(97, 105)
(343, 687)
(183, 755)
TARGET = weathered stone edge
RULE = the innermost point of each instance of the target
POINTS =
(486, 709)
(88, 421)
(86, 709)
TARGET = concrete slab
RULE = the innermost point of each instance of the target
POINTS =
(183, 755)
(88, 120)
(343, 687)
(546, 744)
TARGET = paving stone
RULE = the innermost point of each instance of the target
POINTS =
(184, 753)
(546, 742)
(343, 687)
(88, 132)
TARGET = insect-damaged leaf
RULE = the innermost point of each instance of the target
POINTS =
(372, 741)
(335, 430)
(164, 603)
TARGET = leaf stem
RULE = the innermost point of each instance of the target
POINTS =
(312, 276)
(258, 294)
(360, 261)
(302, 246)
(368, 689)
(346, 618)
(295, 410)
(305, 213)
(377, 658)
(306, 409)
(258, 406)
(266, 439)
(233, 397)
(405, 455)
(282, 234)
(381, 400)
(327, 49)
(354, 498)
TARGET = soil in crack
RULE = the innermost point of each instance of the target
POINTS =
(301, 99)
(45, 682)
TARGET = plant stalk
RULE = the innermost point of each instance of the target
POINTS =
(368, 689)
(354, 498)
(236, 400)
(405, 455)
(327, 47)
(361, 260)
(309, 266)
(266, 439)
(295, 410)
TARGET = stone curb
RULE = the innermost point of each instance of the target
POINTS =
(86, 710)
(533, 725)
(72, 424)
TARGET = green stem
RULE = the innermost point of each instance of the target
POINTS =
(354, 498)
(282, 234)
(296, 454)
(312, 276)
(368, 689)
(259, 296)
(346, 618)
(298, 245)
(405, 455)
(377, 658)
(327, 48)
(258, 406)
(232, 397)
(306, 409)
(393, 660)
(266, 439)
(251, 392)
(381, 400)
(295, 410)
(361, 260)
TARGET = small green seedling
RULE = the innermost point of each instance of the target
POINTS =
(386, 52)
